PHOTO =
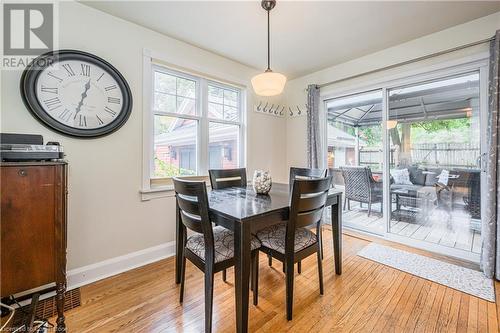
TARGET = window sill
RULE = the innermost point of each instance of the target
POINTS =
(157, 192)
(163, 191)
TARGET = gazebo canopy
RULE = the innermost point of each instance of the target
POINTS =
(455, 97)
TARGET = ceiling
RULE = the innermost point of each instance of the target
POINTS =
(306, 36)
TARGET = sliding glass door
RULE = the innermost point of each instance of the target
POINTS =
(434, 135)
(408, 157)
(355, 157)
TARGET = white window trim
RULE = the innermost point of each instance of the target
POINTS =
(149, 63)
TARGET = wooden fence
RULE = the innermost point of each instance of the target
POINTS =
(431, 154)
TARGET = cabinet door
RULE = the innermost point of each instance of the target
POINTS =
(27, 227)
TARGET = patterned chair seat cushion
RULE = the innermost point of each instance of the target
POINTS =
(273, 237)
(223, 244)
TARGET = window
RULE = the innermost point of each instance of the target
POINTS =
(198, 125)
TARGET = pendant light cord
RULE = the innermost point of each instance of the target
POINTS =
(268, 45)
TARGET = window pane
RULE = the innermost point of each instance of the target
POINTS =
(215, 94)
(223, 103)
(186, 88)
(230, 98)
(164, 103)
(174, 94)
(230, 113)
(435, 138)
(174, 146)
(215, 110)
(223, 146)
(186, 106)
(164, 83)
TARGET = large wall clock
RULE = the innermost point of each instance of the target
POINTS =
(76, 93)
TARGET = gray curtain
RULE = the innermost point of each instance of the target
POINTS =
(313, 127)
(490, 252)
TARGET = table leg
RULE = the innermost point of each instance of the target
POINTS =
(178, 245)
(337, 234)
(242, 253)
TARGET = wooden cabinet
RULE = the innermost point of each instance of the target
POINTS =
(33, 228)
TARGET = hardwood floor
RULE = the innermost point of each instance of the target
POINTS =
(367, 297)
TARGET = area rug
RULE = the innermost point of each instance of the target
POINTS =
(460, 278)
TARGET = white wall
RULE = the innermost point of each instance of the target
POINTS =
(466, 33)
(106, 215)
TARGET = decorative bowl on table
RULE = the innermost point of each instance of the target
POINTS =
(262, 182)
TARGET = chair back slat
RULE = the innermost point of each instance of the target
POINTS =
(224, 178)
(189, 205)
(306, 207)
(308, 218)
(192, 222)
(304, 173)
(312, 201)
(192, 201)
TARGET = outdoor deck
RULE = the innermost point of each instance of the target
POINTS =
(440, 229)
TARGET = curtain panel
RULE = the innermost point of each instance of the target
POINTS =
(490, 233)
(314, 145)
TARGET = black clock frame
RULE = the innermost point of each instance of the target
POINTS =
(29, 80)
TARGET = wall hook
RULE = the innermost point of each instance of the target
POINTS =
(300, 111)
(259, 106)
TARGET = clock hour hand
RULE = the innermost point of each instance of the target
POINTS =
(84, 94)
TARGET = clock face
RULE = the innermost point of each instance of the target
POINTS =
(76, 93)
(79, 94)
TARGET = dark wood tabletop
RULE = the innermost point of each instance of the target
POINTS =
(245, 212)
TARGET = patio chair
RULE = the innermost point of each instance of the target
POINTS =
(361, 187)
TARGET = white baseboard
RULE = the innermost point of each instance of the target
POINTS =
(87, 274)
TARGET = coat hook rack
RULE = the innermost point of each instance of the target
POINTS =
(280, 110)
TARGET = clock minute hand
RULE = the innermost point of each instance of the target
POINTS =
(84, 94)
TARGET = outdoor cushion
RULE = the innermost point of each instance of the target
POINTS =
(443, 177)
(223, 244)
(273, 237)
(401, 177)
(417, 176)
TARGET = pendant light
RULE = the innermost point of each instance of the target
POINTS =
(268, 83)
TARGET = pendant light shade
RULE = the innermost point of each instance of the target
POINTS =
(268, 83)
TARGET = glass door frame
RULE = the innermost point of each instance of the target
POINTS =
(477, 63)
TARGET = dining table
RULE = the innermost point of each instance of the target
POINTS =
(245, 212)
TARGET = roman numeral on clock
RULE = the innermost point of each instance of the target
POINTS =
(65, 115)
(49, 90)
(111, 87)
(113, 100)
(82, 121)
(99, 120)
(52, 103)
(85, 70)
(111, 112)
(55, 77)
(69, 70)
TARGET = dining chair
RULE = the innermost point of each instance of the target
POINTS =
(361, 186)
(293, 241)
(211, 249)
(223, 178)
(298, 173)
